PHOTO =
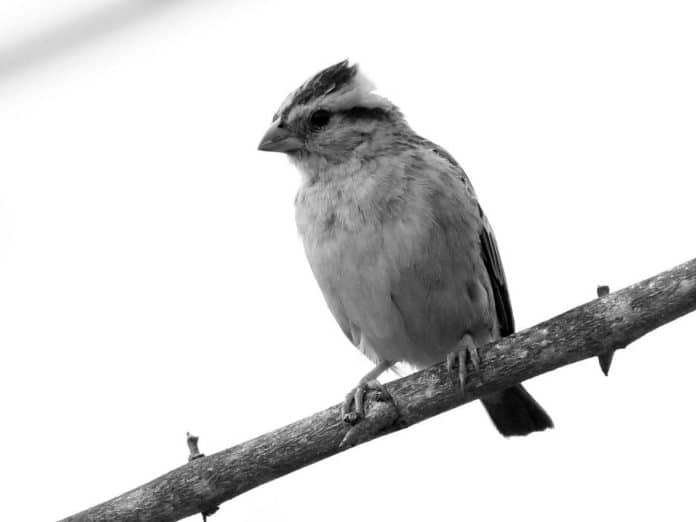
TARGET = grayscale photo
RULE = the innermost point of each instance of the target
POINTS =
(314, 261)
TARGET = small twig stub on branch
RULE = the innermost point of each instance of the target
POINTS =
(194, 453)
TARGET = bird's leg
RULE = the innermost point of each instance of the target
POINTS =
(466, 349)
(354, 404)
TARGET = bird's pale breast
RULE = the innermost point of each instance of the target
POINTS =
(397, 258)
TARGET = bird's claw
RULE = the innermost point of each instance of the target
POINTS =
(458, 359)
(353, 408)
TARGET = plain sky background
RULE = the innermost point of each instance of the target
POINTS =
(152, 281)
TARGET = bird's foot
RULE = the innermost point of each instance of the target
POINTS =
(354, 404)
(369, 409)
(466, 351)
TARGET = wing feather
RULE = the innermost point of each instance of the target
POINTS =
(494, 267)
(491, 257)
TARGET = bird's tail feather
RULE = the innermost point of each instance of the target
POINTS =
(515, 412)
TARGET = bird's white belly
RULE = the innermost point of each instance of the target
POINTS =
(355, 270)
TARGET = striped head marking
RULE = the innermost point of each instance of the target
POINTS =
(330, 116)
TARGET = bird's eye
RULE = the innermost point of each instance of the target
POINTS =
(319, 118)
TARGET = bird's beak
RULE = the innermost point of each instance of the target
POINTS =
(279, 139)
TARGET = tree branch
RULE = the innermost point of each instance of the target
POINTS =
(595, 328)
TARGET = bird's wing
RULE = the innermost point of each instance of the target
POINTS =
(494, 267)
(441, 288)
(491, 256)
(489, 252)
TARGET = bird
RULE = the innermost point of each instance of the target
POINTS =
(396, 239)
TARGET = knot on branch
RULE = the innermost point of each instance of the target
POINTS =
(381, 413)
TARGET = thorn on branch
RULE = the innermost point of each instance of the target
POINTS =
(194, 453)
(604, 358)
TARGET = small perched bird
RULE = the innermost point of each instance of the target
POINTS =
(396, 238)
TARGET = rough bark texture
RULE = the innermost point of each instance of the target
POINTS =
(597, 327)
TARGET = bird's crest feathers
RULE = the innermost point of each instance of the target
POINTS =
(336, 88)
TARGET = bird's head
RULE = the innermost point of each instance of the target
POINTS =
(332, 118)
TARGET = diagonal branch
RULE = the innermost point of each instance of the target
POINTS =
(602, 325)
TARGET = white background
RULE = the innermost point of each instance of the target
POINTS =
(152, 281)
